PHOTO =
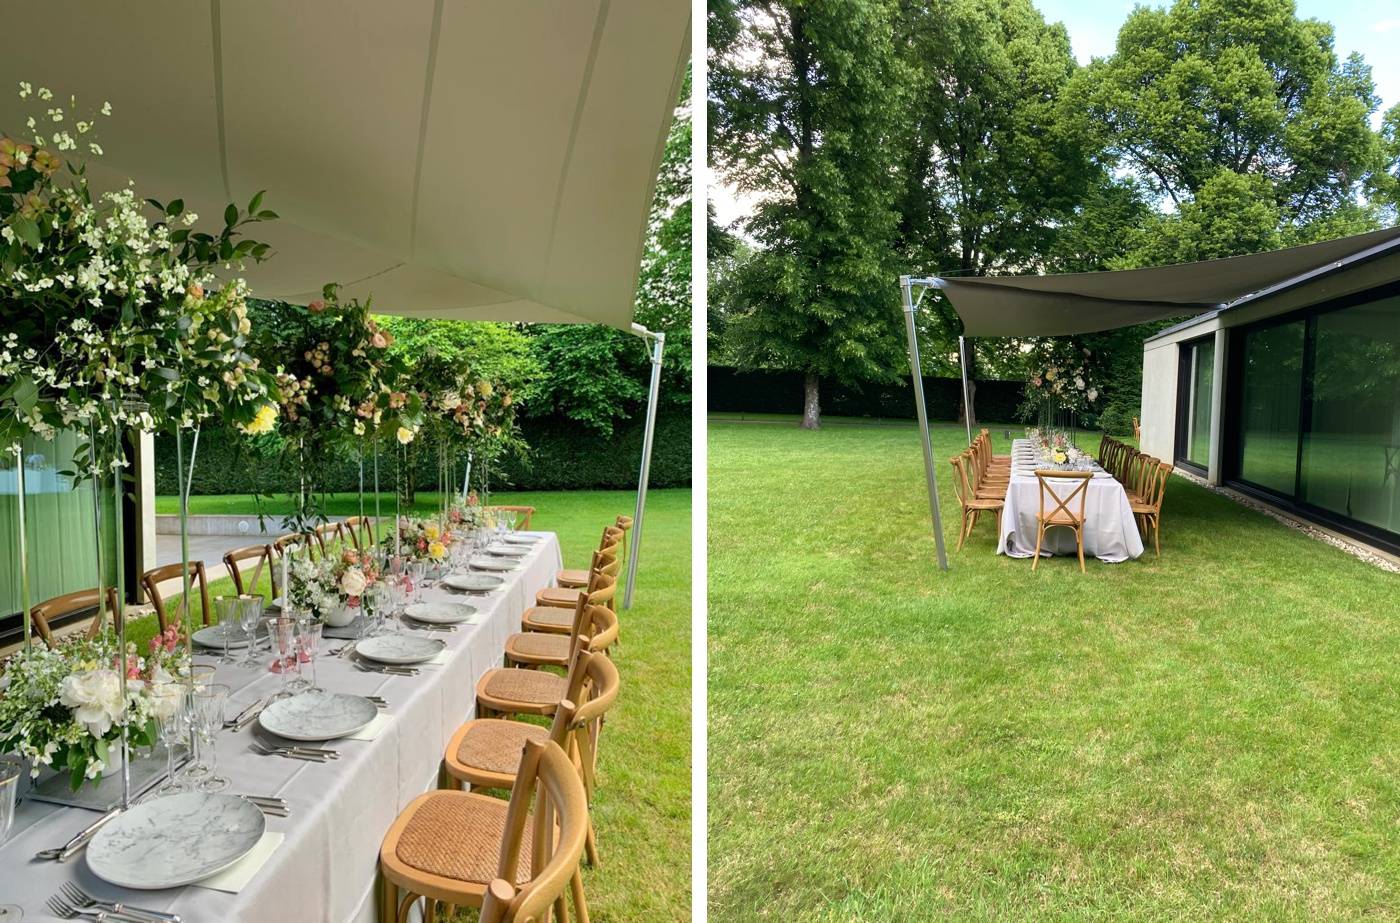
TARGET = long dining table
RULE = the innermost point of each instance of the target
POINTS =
(326, 864)
(1110, 531)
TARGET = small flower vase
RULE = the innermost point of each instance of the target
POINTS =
(340, 616)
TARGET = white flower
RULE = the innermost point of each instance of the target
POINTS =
(106, 108)
(1079, 382)
(95, 697)
(1093, 395)
(352, 582)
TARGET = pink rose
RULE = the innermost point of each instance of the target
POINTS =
(195, 291)
(316, 307)
(378, 341)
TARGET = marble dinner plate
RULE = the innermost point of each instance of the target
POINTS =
(476, 583)
(318, 715)
(212, 636)
(399, 649)
(521, 538)
(440, 613)
(508, 551)
(495, 564)
(175, 840)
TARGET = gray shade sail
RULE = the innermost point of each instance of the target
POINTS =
(471, 159)
(993, 306)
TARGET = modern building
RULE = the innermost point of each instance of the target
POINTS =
(1291, 395)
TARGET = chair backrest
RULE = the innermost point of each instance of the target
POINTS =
(49, 611)
(152, 579)
(293, 541)
(1137, 430)
(261, 555)
(1157, 486)
(961, 486)
(1053, 485)
(357, 529)
(326, 533)
(560, 817)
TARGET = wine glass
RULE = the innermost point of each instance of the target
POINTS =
(418, 572)
(227, 608)
(308, 642)
(209, 701)
(249, 616)
(279, 630)
(172, 714)
(12, 772)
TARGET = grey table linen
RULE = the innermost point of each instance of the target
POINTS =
(326, 867)
(1110, 532)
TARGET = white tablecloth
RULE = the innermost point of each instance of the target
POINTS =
(327, 865)
(1110, 532)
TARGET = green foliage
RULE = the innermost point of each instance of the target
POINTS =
(590, 374)
(806, 100)
(495, 351)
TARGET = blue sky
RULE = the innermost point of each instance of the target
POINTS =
(1371, 27)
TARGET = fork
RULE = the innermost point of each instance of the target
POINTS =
(61, 908)
(82, 900)
(391, 671)
(289, 753)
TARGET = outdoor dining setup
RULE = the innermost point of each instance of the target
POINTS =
(292, 739)
(1048, 497)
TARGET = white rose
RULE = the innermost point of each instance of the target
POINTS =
(352, 582)
(95, 697)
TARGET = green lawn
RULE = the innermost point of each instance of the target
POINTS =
(642, 808)
(1211, 735)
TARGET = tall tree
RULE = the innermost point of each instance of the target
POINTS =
(1219, 106)
(992, 171)
(805, 97)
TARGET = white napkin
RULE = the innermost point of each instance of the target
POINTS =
(236, 876)
(371, 730)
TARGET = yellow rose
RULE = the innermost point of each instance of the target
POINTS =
(263, 420)
(405, 435)
(436, 550)
(431, 531)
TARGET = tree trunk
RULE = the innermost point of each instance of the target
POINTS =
(971, 408)
(811, 402)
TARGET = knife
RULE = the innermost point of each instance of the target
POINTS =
(66, 851)
(234, 722)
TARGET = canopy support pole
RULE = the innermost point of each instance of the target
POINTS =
(906, 285)
(967, 404)
(658, 346)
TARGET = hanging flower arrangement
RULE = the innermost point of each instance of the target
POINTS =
(113, 312)
(1061, 379)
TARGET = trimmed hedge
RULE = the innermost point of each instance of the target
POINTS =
(563, 456)
(764, 391)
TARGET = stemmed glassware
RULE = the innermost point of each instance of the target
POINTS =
(12, 772)
(418, 572)
(201, 675)
(250, 611)
(173, 719)
(209, 701)
(227, 608)
(280, 630)
(308, 642)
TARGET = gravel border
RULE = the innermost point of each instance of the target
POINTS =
(1354, 549)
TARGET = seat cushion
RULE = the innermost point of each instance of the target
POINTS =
(557, 596)
(572, 577)
(538, 645)
(495, 745)
(458, 835)
(549, 615)
(534, 687)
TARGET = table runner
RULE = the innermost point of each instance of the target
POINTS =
(327, 866)
(1110, 532)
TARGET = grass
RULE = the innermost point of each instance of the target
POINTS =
(1211, 735)
(642, 805)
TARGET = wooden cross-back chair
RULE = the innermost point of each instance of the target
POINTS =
(261, 556)
(326, 535)
(525, 691)
(1059, 513)
(152, 579)
(559, 619)
(1148, 508)
(359, 530)
(292, 542)
(574, 578)
(625, 524)
(595, 624)
(986, 436)
(516, 860)
(45, 614)
(1137, 430)
(606, 561)
(971, 504)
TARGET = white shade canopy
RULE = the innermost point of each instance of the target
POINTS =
(992, 306)
(469, 159)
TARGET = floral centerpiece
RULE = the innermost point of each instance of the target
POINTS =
(333, 589)
(63, 708)
(423, 540)
(466, 514)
